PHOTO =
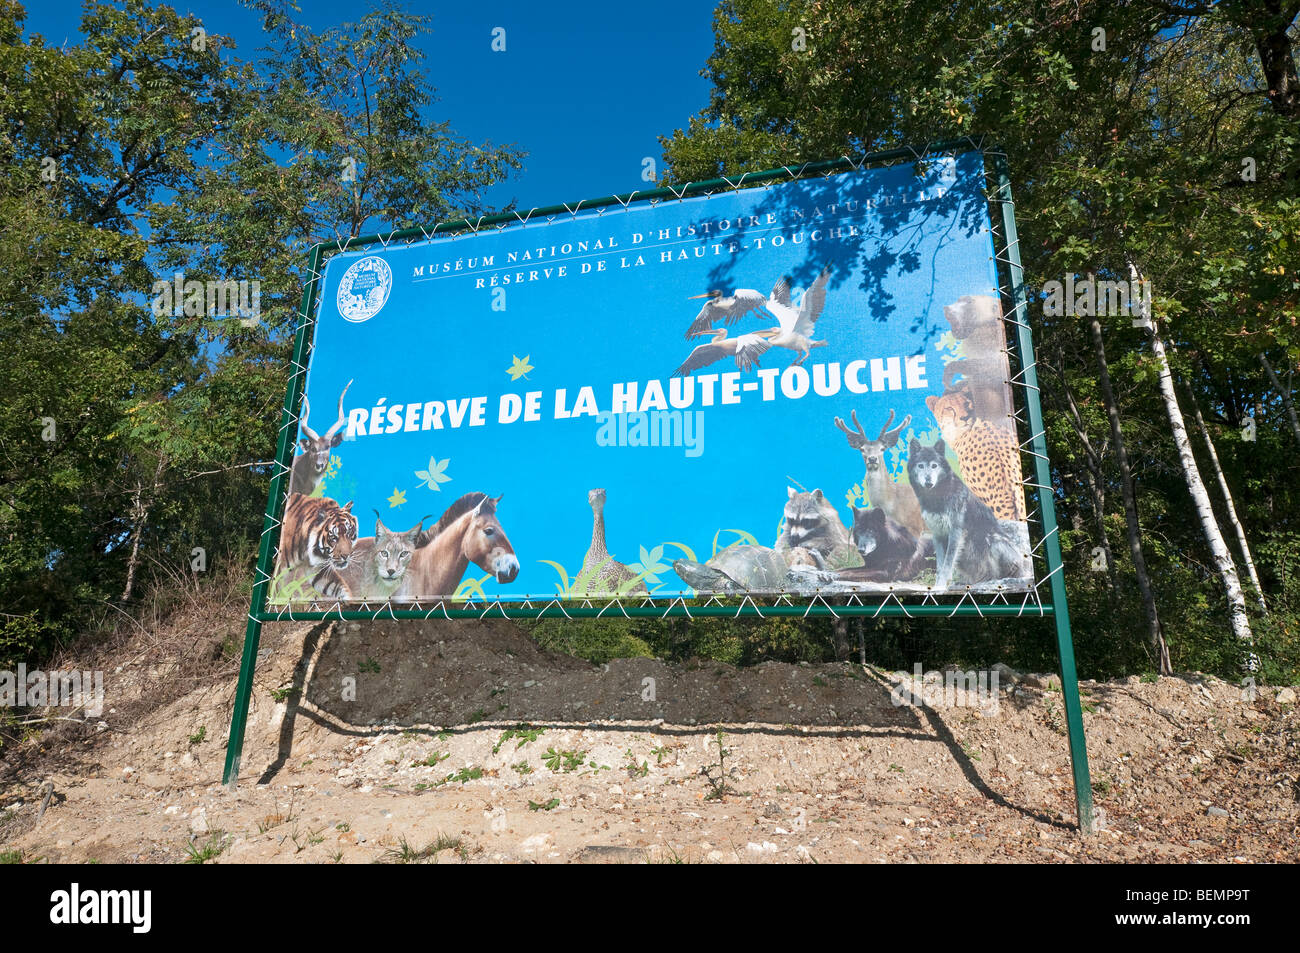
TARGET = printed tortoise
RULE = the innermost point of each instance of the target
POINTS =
(737, 569)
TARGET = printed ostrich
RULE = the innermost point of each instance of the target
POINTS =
(611, 574)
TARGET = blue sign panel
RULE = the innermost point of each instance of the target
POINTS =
(796, 388)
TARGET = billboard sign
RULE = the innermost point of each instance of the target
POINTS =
(799, 388)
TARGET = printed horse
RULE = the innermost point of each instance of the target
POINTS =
(467, 533)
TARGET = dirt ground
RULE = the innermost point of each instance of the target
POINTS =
(464, 742)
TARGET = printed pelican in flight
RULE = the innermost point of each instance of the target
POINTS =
(745, 349)
(729, 308)
(796, 326)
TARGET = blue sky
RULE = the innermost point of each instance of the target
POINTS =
(584, 87)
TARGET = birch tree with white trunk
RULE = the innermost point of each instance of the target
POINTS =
(1238, 616)
(1242, 543)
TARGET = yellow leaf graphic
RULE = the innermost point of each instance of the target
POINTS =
(398, 497)
(519, 368)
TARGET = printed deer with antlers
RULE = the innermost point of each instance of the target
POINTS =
(309, 466)
(898, 500)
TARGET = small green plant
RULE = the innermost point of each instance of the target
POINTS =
(819, 681)
(716, 773)
(215, 845)
(283, 694)
(369, 665)
(897, 768)
(550, 805)
(1150, 677)
(633, 769)
(11, 856)
(523, 767)
(302, 841)
(432, 760)
(565, 761)
(525, 734)
(660, 753)
(343, 826)
(198, 736)
(477, 715)
(463, 776)
(404, 853)
(1053, 717)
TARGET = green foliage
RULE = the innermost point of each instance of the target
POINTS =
(717, 773)
(405, 853)
(597, 640)
(129, 437)
(23, 638)
(463, 776)
(565, 761)
(214, 847)
(1131, 154)
(525, 733)
(633, 769)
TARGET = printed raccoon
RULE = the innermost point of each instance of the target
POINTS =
(377, 567)
(970, 543)
(812, 524)
(889, 552)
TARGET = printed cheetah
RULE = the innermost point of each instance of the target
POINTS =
(989, 455)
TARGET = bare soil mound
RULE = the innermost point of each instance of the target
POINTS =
(465, 742)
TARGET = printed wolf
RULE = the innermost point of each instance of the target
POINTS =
(813, 527)
(889, 552)
(377, 567)
(970, 544)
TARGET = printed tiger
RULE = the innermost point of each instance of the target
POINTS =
(316, 531)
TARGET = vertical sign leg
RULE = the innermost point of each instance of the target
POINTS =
(235, 746)
(262, 577)
(1043, 477)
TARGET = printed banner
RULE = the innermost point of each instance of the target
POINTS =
(795, 388)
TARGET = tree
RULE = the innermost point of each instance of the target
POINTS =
(1158, 132)
(148, 151)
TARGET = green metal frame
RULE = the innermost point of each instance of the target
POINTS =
(1042, 474)
(892, 606)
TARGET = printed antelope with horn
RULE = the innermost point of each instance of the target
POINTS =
(898, 500)
(309, 466)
